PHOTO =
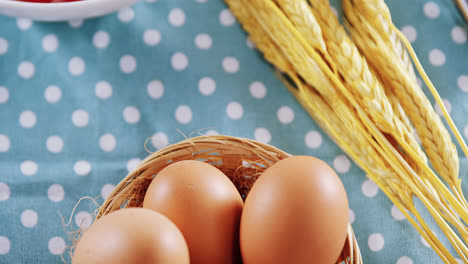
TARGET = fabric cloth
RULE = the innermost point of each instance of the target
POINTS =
(79, 99)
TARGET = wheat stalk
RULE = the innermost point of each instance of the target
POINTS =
(388, 55)
(369, 25)
(300, 15)
(359, 78)
(329, 102)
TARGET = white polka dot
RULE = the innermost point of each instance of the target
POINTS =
(203, 41)
(211, 132)
(376, 242)
(4, 192)
(431, 10)
(56, 245)
(369, 188)
(410, 33)
(3, 46)
(179, 61)
(447, 104)
(201, 1)
(83, 219)
(404, 260)
(151, 37)
(424, 242)
(26, 70)
(459, 261)
(131, 115)
(250, 43)
(155, 89)
(103, 90)
(226, 18)
(4, 245)
(107, 142)
(262, 135)
(27, 119)
(230, 65)
(80, 118)
(53, 94)
(4, 143)
(341, 164)
(29, 168)
(76, 66)
(436, 57)
(23, 23)
(334, 10)
(150, 1)
(206, 86)
(29, 218)
(419, 81)
(4, 95)
(313, 139)
(82, 167)
(132, 164)
(462, 82)
(258, 90)
(128, 64)
(54, 144)
(106, 190)
(101, 39)
(351, 216)
(234, 110)
(50, 43)
(56, 193)
(183, 114)
(177, 17)
(466, 131)
(397, 214)
(126, 14)
(75, 23)
(285, 115)
(458, 35)
(159, 140)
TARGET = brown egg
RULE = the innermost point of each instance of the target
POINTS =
(296, 212)
(204, 204)
(132, 236)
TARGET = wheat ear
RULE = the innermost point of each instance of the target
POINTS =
(382, 53)
(359, 78)
(290, 45)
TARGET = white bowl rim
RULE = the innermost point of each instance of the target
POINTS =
(97, 7)
(52, 5)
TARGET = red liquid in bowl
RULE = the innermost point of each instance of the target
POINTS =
(48, 1)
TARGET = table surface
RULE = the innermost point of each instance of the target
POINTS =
(79, 99)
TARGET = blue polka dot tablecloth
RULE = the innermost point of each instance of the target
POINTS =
(79, 99)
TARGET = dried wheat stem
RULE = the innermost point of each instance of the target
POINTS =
(394, 185)
(385, 54)
(359, 78)
(440, 146)
(299, 13)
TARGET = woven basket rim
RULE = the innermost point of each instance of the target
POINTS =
(192, 148)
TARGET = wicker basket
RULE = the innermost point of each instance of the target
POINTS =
(236, 157)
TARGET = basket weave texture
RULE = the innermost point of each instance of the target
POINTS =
(242, 160)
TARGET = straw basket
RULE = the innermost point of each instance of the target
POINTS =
(236, 157)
